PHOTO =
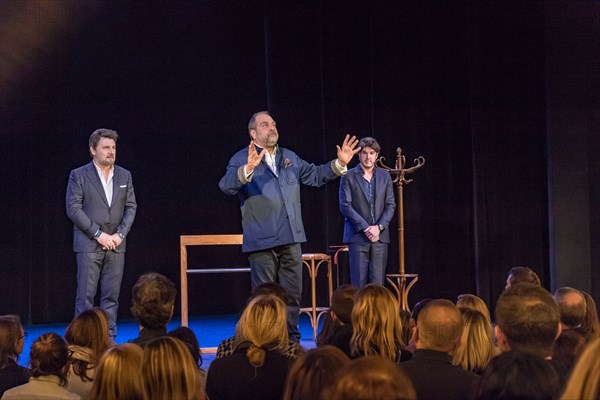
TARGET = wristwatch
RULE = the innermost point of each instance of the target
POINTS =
(121, 235)
(381, 228)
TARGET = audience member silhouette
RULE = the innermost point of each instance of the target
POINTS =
(591, 324)
(567, 348)
(337, 326)
(522, 275)
(257, 368)
(584, 382)
(312, 372)
(188, 337)
(527, 319)
(477, 345)
(87, 338)
(293, 349)
(413, 322)
(475, 303)
(12, 341)
(376, 324)
(48, 359)
(153, 302)
(118, 376)
(370, 378)
(169, 371)
(438, 333)
(518, 375)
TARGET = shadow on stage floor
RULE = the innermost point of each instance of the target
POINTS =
(209, 330)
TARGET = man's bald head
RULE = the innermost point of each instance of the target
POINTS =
(439, 326)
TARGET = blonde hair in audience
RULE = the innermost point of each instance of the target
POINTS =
(584, 382)
(370, 378)
(169, 371)
(312, 372)
(376, 323)
(263, 322)
(475, 303)
(477, 347)
(88, 329)
(118, 374)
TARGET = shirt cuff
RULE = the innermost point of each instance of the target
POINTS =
(243, 175)
(338, 169)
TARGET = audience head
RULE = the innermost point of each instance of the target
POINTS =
(518, 375)
(89, 329)
(591, 324)
(272, 288)
(567, 348)
(439, 326)
(153, 299)
(527, 319)
(584, 382)
(339, 313)
(571, 305)
(405, 317)
(169, 372)
(475, 303)
(370, 378)
(262, 323)
(377, 328)
(118, 374)
(312, 372)
(49, 356)
(477, 344)
(188, 337)
(522, 275)
(12, 339)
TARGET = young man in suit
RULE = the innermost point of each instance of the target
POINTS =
(101, 203)
(367, 204)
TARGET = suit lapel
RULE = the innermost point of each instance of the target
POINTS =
(116, 184)
(92, 174)
(358, 176)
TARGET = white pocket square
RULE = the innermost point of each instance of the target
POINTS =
(123, 186)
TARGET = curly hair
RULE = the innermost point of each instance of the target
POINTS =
(153, 298)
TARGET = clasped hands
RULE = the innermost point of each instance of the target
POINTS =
(109, 242)
(372, 233)
(345, 152)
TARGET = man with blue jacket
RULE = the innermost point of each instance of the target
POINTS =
(267, 179)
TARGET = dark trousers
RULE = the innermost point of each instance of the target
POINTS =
(282, 264)
(367, 263)
(105, 268)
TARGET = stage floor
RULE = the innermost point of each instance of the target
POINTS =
(210, 331)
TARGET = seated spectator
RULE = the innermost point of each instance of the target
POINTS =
(376, 324)
(337, 327)
(591, 324)
(405, 317)
(518, 375)
(48, 359)
(413, 322)
(437, 335)
(257, 368)
(584, 382)
(188, 337)
(312, 372)
(370, 378)
(477, 345)
(567, 348)
(118, 375)
(153, 302)
(12, 341)
(527, 319)
(87, 337)
(293, 349)
(571, 305)
(475, 303)
(522, 275)
(169, 371)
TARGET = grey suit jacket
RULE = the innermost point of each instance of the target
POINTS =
(354, 204)
(88, 208)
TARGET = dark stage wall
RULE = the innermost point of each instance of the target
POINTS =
(501, 98)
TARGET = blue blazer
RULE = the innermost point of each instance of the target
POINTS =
(354, 204)
(270, 204)
(88, 208)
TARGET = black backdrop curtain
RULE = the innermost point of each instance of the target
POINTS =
(466, 84)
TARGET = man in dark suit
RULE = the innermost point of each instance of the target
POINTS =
(367, 204)
(101, 203)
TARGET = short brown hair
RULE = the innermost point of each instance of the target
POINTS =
(370, 142)
(102, 133)
(48, 356)
(153, 297)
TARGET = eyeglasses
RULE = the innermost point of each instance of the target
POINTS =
(23, 336)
